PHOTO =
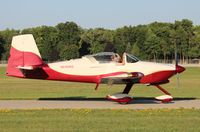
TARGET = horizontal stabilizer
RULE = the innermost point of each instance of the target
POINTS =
(28, 67)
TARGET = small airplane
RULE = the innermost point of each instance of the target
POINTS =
(106, 67)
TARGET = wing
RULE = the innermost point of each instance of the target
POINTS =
(124, 78)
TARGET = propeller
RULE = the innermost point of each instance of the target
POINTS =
(178, 68)
(176, 65)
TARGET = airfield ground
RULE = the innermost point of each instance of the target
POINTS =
(87, 119)
(98, 104)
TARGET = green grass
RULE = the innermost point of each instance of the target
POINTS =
(87, 120)
(15, 88)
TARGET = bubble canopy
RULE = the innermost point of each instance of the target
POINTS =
(106, 57)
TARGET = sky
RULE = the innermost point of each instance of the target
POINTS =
(111, 14)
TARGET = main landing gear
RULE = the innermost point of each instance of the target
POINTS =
(122, 98)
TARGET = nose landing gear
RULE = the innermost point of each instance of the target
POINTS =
(164, 98)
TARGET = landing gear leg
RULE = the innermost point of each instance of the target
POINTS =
(122, 98)
(164, 98)
(127, 88)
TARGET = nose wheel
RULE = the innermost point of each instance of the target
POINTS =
(164, 98)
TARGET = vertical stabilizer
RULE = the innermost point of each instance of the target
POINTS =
(23, 53)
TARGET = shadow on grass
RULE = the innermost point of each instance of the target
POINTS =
(136, 100)
(78, 98)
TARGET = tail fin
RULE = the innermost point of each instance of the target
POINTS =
(23, 55)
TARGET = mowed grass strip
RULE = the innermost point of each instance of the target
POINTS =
(88, 120)
(16, 88)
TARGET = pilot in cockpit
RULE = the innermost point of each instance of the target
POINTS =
(116, 58)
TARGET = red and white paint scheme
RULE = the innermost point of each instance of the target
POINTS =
(25, 62)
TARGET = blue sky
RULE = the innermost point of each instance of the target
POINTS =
(19, 14)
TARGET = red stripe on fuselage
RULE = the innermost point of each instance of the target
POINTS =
(49, 74)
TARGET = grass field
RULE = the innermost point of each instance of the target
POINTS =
(87, 120)
(15, 88)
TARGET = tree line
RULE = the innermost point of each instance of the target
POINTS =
(68, 40)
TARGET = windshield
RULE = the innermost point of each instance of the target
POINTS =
(131, 58)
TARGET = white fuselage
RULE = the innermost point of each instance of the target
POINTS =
(87, 67)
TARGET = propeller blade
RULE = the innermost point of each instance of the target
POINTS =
(176, 55)
(176, 65)
(177, 80)
(178, 68)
